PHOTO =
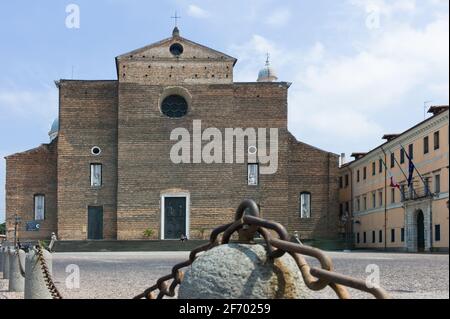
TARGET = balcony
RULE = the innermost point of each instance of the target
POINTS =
(416, 193)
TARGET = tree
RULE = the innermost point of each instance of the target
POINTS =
(3, 229)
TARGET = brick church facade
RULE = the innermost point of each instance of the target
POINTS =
(107, 173)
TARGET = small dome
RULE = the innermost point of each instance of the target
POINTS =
(54, 130)
(267, 74)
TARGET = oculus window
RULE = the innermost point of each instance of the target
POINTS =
(174, 106)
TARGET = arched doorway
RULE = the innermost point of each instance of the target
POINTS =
(420, 231)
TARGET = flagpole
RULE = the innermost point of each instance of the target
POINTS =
(415, 168)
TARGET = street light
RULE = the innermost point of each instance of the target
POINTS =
(17, 221)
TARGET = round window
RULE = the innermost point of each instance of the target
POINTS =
(96, 150)
(174, 106)
(176, 49)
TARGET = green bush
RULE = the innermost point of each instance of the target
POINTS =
(148, 233)
(3, 229)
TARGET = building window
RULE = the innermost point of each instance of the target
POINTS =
(380, 166)
(347, 208)
(96, 175)
(380, 236)
(374, 240)
(437, 232)
(341, 210)
(411, 151)
(380, 198)
(402, 192)
(39, 207)
(392, 195)
(365, 173)
(358, 239)
(358, 205)
(365, 203)
(426, 145)
(374, 200)
(365, 237)
(402, 156)
(174, 106)
(393, 235)
(346, 180)
(253, 174)
(436, 141)
(403, 235)
(341, 182)
(392, 160)
(437, 184)
(358, 177)
(374, 168)
(305, 205)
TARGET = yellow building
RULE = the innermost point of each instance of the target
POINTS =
(378, 208)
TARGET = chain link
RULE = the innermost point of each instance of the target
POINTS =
(247, 223)
(47, 275)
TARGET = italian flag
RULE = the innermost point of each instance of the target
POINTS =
(394, 183)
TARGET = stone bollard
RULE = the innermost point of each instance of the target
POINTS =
(1, 259)
(35, 286)
(238, 271)
(16, 270)
(6, 263)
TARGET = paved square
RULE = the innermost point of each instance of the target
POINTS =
(124, 275)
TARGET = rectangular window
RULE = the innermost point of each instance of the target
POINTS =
(373, 237)
(358, 239)
(305, 205)
(341, 209)
(365, 237)
(426, 145)
(365, 173)
(403, 235)
(341, 182)
(393, 235)
(437, 184)
(437, 232)
(380, 236)
(365, 203)
(347, 207)
(374, 200)
(374, 168)
(380, 199)
(402, 156)
(392, 160)
(380, 166)
(392, 195)
(402, 191)
(436, 141)
(346, 180)
(39, 207)
(358, 177)
(253, 174)
(96, 175)
(411, 151)
(358, 205)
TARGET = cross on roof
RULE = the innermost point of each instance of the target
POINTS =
(176, 17)
(268, 59)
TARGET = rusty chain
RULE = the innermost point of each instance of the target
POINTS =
(247, 223)
(46, 273)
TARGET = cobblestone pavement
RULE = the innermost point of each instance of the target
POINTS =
(123, 275)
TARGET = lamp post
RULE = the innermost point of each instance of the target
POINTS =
(17, 220)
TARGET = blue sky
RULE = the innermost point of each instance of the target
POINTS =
(360, 68)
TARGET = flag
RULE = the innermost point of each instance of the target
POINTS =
(411, 172)
(394, 183)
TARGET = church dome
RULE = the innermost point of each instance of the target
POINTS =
(267, 74)
(54, 130)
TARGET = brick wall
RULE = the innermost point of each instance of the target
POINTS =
(87, 118)
(27, 174)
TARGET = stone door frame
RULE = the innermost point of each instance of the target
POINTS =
(188, 211)
(411, 212)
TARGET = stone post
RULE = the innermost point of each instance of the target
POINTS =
(6, 263)
(16, 266)
(35, 286)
